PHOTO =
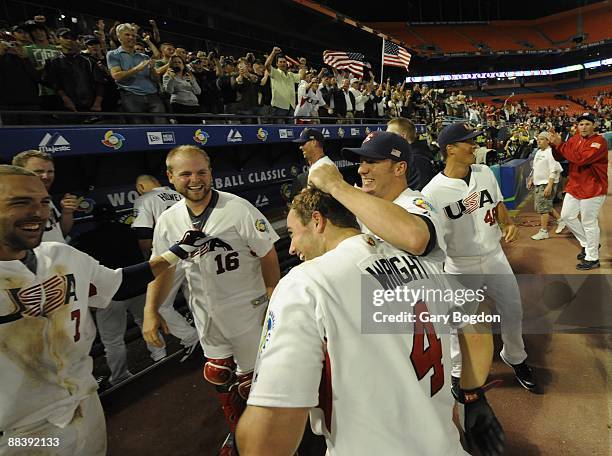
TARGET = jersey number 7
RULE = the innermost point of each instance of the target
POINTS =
(423, 360)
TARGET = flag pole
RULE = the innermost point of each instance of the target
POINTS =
(382, 60)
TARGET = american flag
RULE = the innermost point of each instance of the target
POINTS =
(395, 55)
(352, 61)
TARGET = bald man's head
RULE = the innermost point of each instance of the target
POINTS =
(145, 183)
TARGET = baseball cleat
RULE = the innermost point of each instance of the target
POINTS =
(587, 265)
(560, 227)
(540, 235)
(188, 351)
(582, 255)
(524, 375)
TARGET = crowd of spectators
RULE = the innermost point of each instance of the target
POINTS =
(123, 68)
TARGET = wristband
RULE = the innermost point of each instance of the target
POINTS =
(473, 395)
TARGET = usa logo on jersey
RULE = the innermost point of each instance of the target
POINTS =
(468, 205)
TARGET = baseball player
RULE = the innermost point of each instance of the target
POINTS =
(153, 200)
(384, 195)
(472, 208)
(48, 403)
(41, 163)
(544, 179)
(313, 353)
(312, 144)
(230, 278)
(586, 188)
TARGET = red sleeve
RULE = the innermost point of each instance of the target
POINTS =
(583, 152)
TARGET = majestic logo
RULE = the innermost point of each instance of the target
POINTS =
(326, 133)
(234, 136)
(160, 138)
(41, 299)
(262, 134)
(54, 143)
(113, 140)
(262, 200)
(260, 225)
(201, 137)
(468, 205)
(341, 132)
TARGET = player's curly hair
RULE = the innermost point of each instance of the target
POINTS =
(311, 199)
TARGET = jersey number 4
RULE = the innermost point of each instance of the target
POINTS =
(423, 360)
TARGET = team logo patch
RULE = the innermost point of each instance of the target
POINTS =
(113, 140)
(265, 335)
(262, 134)
(596, 145)
(201, 137)
(425, 205)
(371, 241)
(261, 225)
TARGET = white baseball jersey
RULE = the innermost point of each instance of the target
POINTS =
(324, 160)
(46, 333)
(224, 275)
(415, 203)
(386, 393)
(53, 230)
(148, 207)
(468, 212)
(545, 167)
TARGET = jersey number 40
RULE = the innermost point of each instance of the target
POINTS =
(423, 360)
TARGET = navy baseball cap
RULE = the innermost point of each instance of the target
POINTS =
(586, 116)
(380, 145)
(90, 39)
(455, 133)
(308, 134)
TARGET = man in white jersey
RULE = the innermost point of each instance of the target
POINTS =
(384, 205)
(230, 278)
(41, 163)
(381, 393)
(311, 143)
(48, 400)
(153, 200)
(472, 207)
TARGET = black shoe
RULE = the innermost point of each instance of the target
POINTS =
(188, 351)
(582, 255)
(586, 265)
(524, 375)
(455, 389)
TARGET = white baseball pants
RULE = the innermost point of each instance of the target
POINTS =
(586, 229)
(493, 272)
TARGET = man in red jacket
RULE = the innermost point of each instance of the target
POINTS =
(586, 188)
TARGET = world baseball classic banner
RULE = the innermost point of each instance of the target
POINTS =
(86, 140)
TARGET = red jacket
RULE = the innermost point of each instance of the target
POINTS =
(588, 169)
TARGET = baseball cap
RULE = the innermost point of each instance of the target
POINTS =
(18, 27)
(455, 133)
(67, 33)
(586, 116)
(308, 134)
(354, 80)
(90, 39)
(380, 145)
